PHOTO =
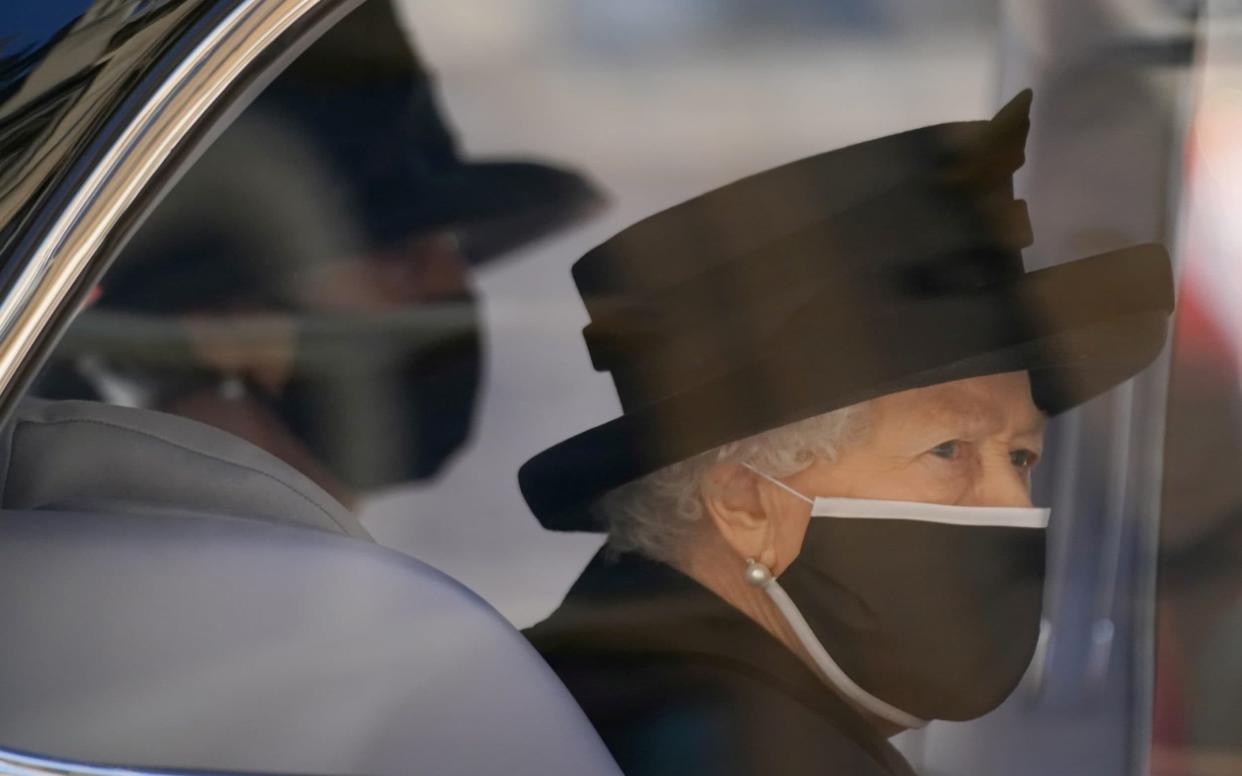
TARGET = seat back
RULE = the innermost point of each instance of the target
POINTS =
(216, 643)
(237, 628)
(83, 454)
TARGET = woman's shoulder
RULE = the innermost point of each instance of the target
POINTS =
(678, 716)
(677, 681)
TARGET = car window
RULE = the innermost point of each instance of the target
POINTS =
(1196, 671)
(498, 278)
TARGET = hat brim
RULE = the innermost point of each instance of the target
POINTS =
(1095, 323)
(499, 206)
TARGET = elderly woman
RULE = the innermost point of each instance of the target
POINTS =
(835, 377)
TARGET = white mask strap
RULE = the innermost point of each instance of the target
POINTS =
(781, 485)
(810, 642)
(917, 511)
(924, 512)
(833, 672)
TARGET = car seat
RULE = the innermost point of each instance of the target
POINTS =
(173, 597)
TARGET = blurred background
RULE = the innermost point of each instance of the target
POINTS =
(368, 274)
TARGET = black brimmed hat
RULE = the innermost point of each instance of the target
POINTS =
(364, 96)
(888, 265)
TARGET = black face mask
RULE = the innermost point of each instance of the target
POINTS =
(390, 405)
(928, 611)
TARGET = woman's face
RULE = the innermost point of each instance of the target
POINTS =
(970, 442)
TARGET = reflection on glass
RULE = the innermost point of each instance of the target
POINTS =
(361, 277)
(307, 286)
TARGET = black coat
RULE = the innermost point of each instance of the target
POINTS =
(677, 681)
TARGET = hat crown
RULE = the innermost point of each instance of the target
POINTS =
(693, 291)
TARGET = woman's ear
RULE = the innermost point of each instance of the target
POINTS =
(742, 512)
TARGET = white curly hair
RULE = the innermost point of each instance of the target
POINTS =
(654, 515)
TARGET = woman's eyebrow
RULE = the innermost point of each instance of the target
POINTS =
(1036, 425)
(959, 415)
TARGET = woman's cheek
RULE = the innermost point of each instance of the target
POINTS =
(943, 482)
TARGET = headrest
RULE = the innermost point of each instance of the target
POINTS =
(91, 456)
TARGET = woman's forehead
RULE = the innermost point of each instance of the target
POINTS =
(993, 402)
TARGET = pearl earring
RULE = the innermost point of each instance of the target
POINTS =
(757, 574)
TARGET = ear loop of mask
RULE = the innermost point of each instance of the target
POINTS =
(810, 642)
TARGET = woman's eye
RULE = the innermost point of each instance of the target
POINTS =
(947, 450)
(1023, 459)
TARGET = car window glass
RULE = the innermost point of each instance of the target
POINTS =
(371, 275)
